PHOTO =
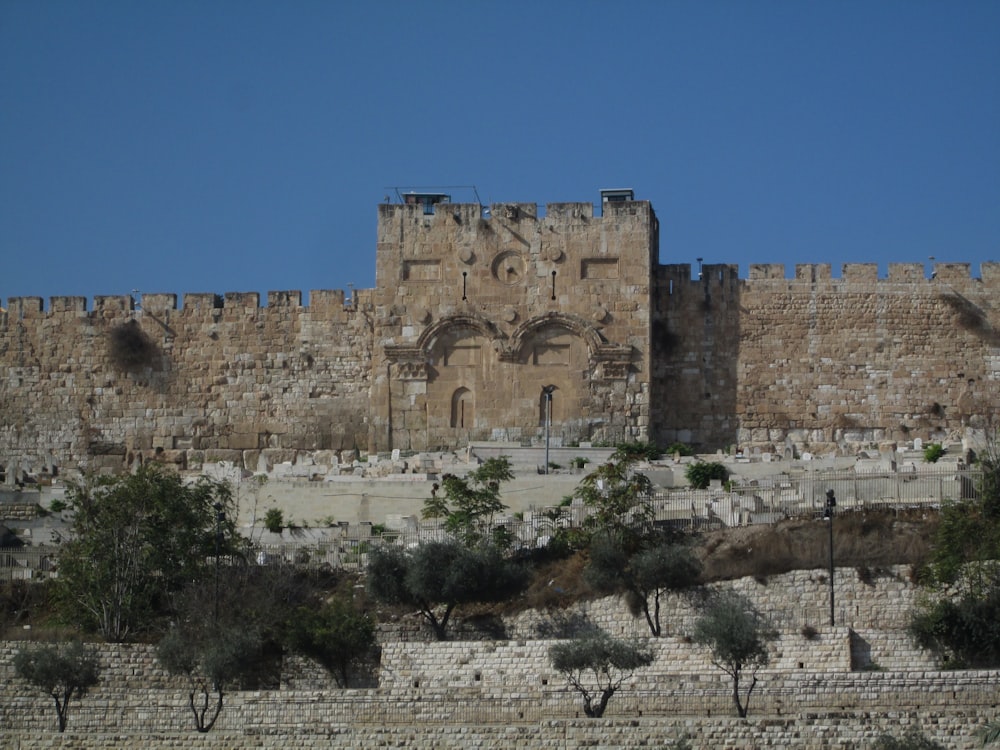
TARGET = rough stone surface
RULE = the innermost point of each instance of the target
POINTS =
(471, 316)
(815, 693)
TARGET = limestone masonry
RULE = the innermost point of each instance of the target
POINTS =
(474, 312)
(838, 687)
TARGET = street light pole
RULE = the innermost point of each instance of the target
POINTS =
(220, 516)
(547, 390)
(828, 511)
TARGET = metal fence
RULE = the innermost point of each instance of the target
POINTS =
(761, 501)
(27, 563)
(799, 494)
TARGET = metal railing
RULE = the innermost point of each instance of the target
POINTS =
(758, 502)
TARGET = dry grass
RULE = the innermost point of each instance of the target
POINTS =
(868, 540)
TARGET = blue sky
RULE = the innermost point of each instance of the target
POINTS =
(191, 146)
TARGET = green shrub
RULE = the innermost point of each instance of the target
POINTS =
(912, 740)
(701, 474)
(638, 451)
(933, 452)
(680, 449)
(274, 520)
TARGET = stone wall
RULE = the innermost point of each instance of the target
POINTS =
(206, 382)
(474, 312)
(489, 693)
(821, 361)
(817, 731)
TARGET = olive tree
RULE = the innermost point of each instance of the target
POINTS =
(737, 635)
(337, 635)
(212, 662)
(661, 564)
(232, 637)
(134, 540)
(60, 671)
(438, 576)
(596, 665)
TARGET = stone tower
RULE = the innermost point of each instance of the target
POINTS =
(478, 310)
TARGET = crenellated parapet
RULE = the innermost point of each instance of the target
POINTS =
(478, 308)
(193, 303)
(921, 276)
(510, 322)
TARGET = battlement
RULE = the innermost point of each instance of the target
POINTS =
(321, 300)
(566, 213)
(473, 309)
(899, 273)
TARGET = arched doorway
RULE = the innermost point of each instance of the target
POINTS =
(463, 409)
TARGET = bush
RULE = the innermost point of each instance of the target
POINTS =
(338, 636)
(701, 474)
(135, 540)
(274, 520)
(638, 451)
(680, 449)
(436, 577)
(658, 566)
(933, 452)
(912, 740)
(963, 633)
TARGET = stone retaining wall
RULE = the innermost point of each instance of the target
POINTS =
(842, 730)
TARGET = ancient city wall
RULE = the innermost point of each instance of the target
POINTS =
(203, 382)
(478, 311)
(475, 312)
(824, 361)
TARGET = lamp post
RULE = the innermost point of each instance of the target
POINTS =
(828, 510)
(547, 390)
(220, 516)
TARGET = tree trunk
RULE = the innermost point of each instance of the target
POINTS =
(62, 708)
(740, 708)
(596, 712)
(200, 713)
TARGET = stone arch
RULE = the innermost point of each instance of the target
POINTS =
(477, 323)
(463, 409)
(526, 331)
